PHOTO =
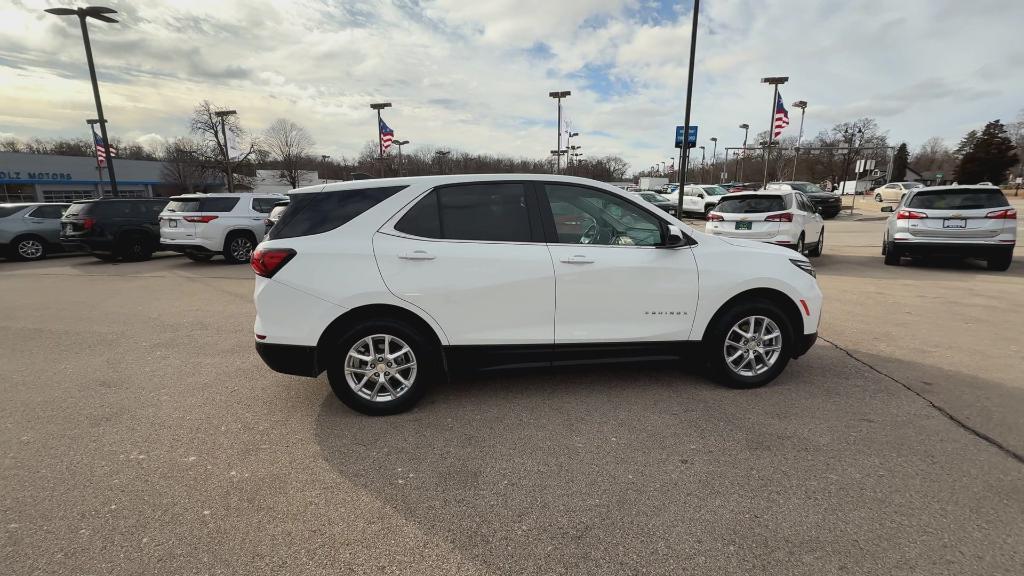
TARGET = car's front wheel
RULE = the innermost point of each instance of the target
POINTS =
(749, 345)
(382, 367)
(28, 248)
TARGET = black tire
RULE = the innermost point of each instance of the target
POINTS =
(134, 247)
(800, 246)
(1000, 263)
(892, 256)
(28, 248)
(707, 210)
(105, 256)
(424, 352)
(238, 247)
(199, 256)
(816, 251)
(715, 346)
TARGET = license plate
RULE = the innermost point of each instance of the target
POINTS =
(744, 225)
(172, 223)
(954, 223)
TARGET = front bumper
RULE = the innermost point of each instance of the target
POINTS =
(289, 358)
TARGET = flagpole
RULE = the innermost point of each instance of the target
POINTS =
(380, 137)
(95, 152)
(774, 81)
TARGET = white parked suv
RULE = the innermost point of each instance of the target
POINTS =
(781, 217)
(386, 284)
(204, 225)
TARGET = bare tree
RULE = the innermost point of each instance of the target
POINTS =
(212, 150)
(183, 166)
(289, 145)
(10, 145)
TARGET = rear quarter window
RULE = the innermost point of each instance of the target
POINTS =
(317, 212)
(958, 199)
(751, 204)
(6, 211)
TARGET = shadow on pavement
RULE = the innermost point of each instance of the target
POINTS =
(934, 268)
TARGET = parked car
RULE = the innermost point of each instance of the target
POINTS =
(387, 284)
(968, 221)
(112, 228)
(275, 214)
(702, 198)
(658, 200)
(742, 187)
(200, 226)
(779, 217)
(827, 203)
(30, 231)
(894, 191)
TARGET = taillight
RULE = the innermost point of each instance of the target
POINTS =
(712, 217)
(267, 261)
(910, 215)
(200, 219)
(1008, 214)
(88, 223)
(780, 217)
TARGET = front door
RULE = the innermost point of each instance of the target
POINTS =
(472, 256)
(613, 281)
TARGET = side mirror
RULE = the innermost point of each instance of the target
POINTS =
(674, 237)
(700, 195)
(888, 208)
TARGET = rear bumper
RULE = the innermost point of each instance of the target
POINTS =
(191, 245)
(87, 244)
(289, 358)
(979, 249)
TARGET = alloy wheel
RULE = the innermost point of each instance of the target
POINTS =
(241, 248)
(752, 345)
(380, 368)
(30, 249)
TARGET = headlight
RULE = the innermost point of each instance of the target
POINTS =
(805, 266)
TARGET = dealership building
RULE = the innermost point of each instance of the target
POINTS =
(51, 178)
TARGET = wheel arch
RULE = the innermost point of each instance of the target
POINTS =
(777, 297)
(352, 317)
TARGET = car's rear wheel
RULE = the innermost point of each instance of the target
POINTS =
(382, 367)
(198, 256)
(27, 248)
(799, 244)
(750, 344)
(135, 247)
(892, 256)
(1000, 263)
(816, 251)
(238, 247)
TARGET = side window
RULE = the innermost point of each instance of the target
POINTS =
(264, 205)
(48, 212)
(587, 216)
(490, 212)
(423, 219)
(689, 191)
(156, 207)
(218, 204)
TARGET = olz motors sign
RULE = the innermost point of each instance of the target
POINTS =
(17, 175)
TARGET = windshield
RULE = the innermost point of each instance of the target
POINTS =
(751, 204)
(76, 209)
(807, 188)
(958, 200)
(913, 185)
(715, 191)
(183, 205)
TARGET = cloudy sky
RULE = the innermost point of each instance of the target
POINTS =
(474, 74)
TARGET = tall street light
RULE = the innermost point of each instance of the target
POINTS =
(714, 158)
(568, 146)
(323, 159)
(223, 115)
(703, 166)
(441, 155)
(558, 96)
(380, 137)
(739, 171)
(684, 151)
(97, 13)
(802, 105)
(775, 81)
(400, 143)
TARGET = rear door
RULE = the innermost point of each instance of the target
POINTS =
(812, 221)
(960, 213)
(692, 202)
(613, 281)
(473, 257)
(45, 221)
(744, 216)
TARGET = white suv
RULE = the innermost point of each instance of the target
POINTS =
(204, 225)
(386, 284)
(782, 217)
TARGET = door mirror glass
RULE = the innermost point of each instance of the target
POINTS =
(674, 237)
(888, 209)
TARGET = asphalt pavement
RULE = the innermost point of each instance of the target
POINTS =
(141, 434)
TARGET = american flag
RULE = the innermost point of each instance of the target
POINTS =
(386, 136)
(101, 155)
(781, 117)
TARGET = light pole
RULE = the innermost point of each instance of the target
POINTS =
(98, 13)
(568, 141)
(441, 155)
(802, 105)
(714, 158)
(400, 143)
(703, 166)
(558, 96)
(684, 150)
(742, 157)
(323, 159)
(775, 81)
(223, 115)
(380, 137)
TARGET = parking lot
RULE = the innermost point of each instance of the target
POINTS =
(142, 434)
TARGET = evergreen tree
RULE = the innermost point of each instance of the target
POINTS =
(899, 163)
(989, 157)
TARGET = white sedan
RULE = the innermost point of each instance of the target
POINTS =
(781, 217)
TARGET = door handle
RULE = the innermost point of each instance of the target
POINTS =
(417, 255)
(577, 259)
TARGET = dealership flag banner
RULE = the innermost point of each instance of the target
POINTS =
(387, 135)
(781, 117)
(101, 155)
